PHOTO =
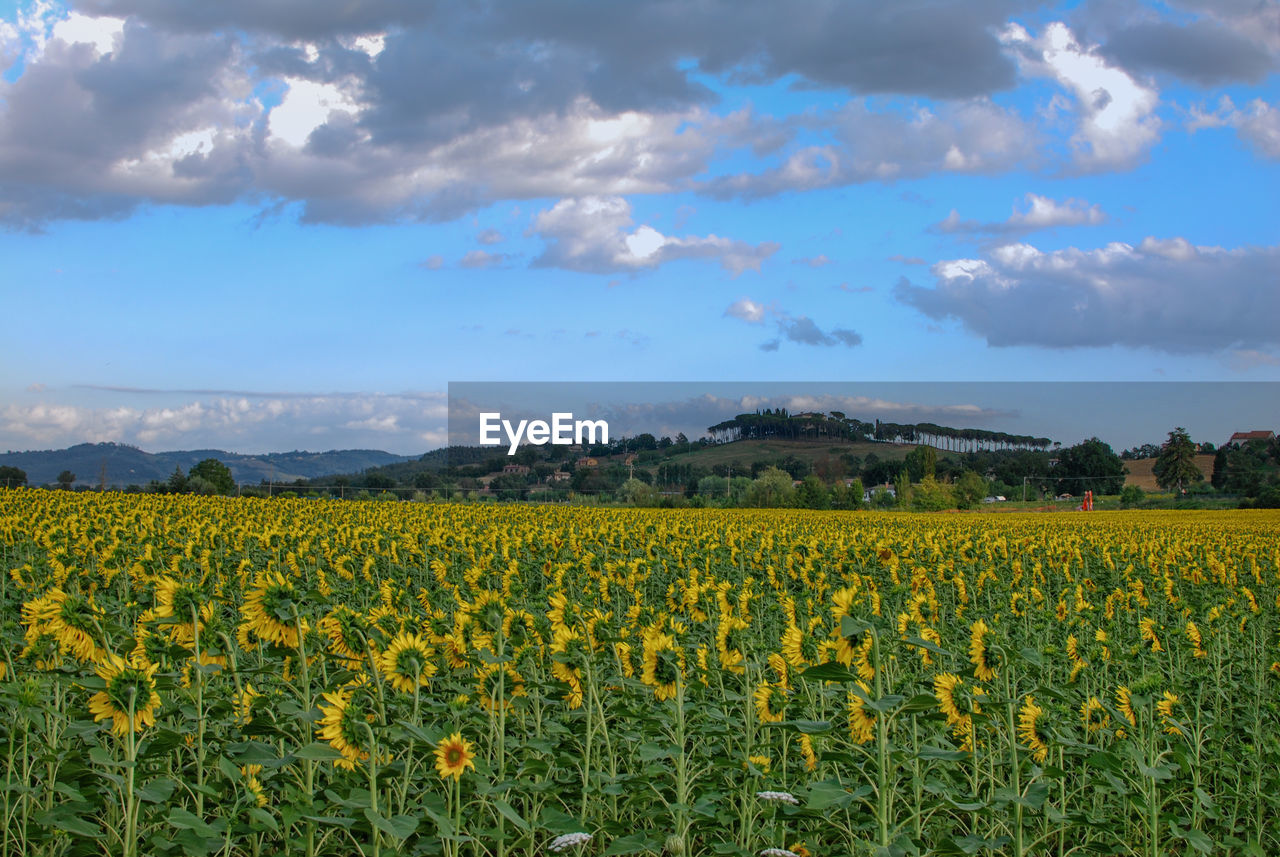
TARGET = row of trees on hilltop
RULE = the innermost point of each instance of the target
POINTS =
(779, 424)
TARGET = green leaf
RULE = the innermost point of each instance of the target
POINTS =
(509, 813)
(397, 827)
(318, 751)
(185, 820)
(264, 819)
(829, 672)
(157, 791)
(74, 824)
(805, 727)
(920, 643)
(823, 795)
(851, 627)
(633, 844)
(921, 702)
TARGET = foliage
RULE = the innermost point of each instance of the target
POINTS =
(930, 495)
(1175, 467)
(215, 473)
(969, 489)
(12, 477)
(201, 675)
(1089, 466)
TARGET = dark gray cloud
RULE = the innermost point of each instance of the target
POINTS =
(1204, 52)
(290, 19)
(1166, 295)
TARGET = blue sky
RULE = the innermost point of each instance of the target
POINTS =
(291, 225)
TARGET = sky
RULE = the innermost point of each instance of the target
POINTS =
(262, 227)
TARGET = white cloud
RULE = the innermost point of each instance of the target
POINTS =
(1117, 124)
(1258, 123)
(594, 234)
(1165, 294)
(306, 106)
(233, 422)
(794, 328)
(747, 310)
(103, 33)
(1039, 212)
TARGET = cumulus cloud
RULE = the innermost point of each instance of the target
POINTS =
(1165, 294)
(1258, 123)
(1038, 213)
(1115, 116)
(799, 329)
(866, 145)
(248, 421)
(596, 235)
(481, 259)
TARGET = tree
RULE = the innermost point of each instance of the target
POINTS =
(921, 462)
(772, 489)
(12, 477)
(813, 493)
(65, 478)
(177, 481)
(1089, 466)
(969, 489)
(930, 495)
(1176, 464)
(215, 473)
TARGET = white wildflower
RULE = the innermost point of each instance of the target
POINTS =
(568, 840)
(778, 797)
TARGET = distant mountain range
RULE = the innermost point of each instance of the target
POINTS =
(128, 465)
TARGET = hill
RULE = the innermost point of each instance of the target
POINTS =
(748, 452)
(128, 465)
(1141, 471)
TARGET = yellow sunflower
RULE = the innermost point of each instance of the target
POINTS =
(344, 715)
(663, 665)
(408, 662)
(130, 697)
(492, 696)
(771, 702)
(265, 609)
(978, 651)
(1028, 719)
(453, 756)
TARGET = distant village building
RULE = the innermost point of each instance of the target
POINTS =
(516, 469)
(588, 461)
(1245, 436)
(559, 476)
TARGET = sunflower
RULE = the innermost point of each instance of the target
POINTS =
(489, 693)
(807, 753)
(1197, 643)
(793, 647)
(347, 632)
(1165, 707)
(978, 651)
(1028, 719)
(453, 756)
(779, 666)
(729, 643)
(663, 665)
(768, 695)
(130, 697)
(1093, 715)
(569, 644)
(862, 724)
(185, 604)
(407, 662)
(1125, 704)
(71, 618)
(344, 720)
(271, 598)
(519, 630)
(622, 651)
(253, 784)
(1147, 627)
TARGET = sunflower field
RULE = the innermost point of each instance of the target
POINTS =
(184, 675)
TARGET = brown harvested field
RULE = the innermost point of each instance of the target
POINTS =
(1140, 471)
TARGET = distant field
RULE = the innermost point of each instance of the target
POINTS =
(1140, 471)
